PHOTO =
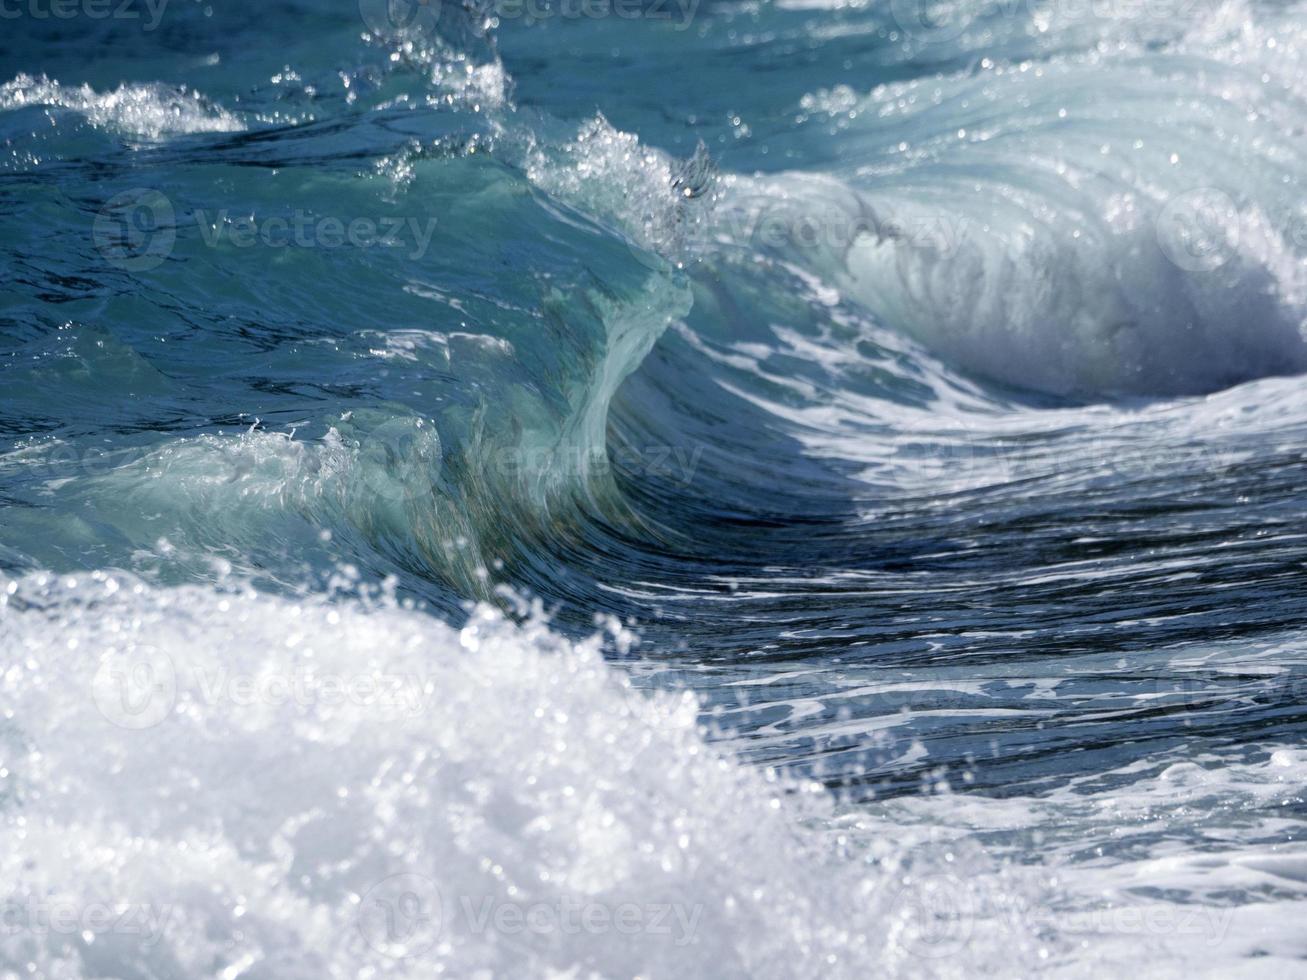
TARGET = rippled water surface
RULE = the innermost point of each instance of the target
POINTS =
(658, 489)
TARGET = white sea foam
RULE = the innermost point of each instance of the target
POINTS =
(205, 782)
(636, 187)
(222, 784)
(152, 111)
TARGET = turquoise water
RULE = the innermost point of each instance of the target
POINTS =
(652, 489)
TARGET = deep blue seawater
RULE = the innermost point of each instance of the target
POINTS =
(661, 488)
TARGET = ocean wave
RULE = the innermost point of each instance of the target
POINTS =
(1118, 222)
(900, 394)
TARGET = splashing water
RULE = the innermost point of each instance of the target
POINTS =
(895, 407)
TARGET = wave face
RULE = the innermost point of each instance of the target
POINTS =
(896, 408)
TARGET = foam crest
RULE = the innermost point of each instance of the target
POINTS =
(648, 195)
(220, 783)
(152, 111)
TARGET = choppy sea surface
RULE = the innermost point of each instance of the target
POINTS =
(653, 488)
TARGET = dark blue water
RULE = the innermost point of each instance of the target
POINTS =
(909, 397)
